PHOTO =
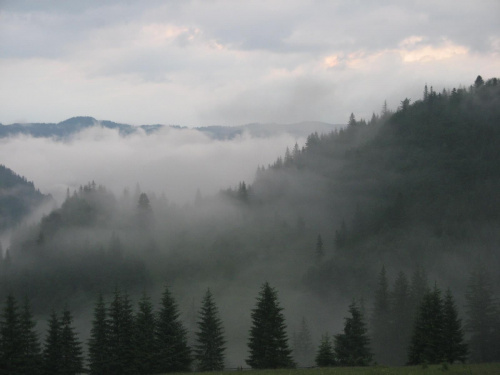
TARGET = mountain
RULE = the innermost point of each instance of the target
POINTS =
(74, 125)
(18, 197)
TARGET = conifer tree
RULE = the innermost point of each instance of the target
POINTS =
(381, 320)
(325, 356)
(401, 320)
(98, 342)
(302, 346)
(320, 251)
(427, 338)
(174, 354)
(268, 343)
(482, 317)
(145, 344)
(31, 351)
(52, 349)
(454, 347)
(71, 348)
(11, 343)
(352, 346)
(210, 346)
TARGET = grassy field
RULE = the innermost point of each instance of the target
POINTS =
(459, 369)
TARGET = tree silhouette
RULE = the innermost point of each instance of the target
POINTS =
(268, 341)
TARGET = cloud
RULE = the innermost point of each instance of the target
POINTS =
(176, 162)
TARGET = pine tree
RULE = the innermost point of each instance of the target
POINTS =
(454, 347)
(482, 317)
(268, 341)
(427, 340)
(98, 343)
(52, 350)
(31, 351)
(381, 321)
(174, 355)
(352, 346)
(302, 348)
(210, 346)
(401, 321)
(320, 251)
(145, 344)
(11, 343)
(325, 356)
(71, 348)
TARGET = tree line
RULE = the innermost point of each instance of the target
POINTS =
(146, 342)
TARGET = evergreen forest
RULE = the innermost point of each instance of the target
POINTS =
(376, 243)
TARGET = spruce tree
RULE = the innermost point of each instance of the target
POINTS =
(352, 347)
(145, 344)
(31, 350)
(427, 340)
(98, 342)
(325, 356)
(71, 348)
(401, 320)
(381, 321)
(454, 347)
(482, 317)
(52, 350)
(268, 343)
(302, 346)
(174, 354)
(210, 343)
(11, 343)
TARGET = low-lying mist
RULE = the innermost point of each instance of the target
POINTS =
(176, 162)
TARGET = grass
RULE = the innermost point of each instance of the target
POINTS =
(457, 369)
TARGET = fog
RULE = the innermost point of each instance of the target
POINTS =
(176, 162)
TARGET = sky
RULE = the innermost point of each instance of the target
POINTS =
(210, 62)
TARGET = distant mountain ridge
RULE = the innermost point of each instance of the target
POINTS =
(72, 126)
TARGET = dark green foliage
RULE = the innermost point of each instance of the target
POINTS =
(31, 351)
(98, 342)
(121, 348)
(325, 356)
(380, 322)
(174, 355)
(11, 344)
(352, 347)
(71, 349)
(144, 337)
(482, 321)
(401, 320)
(268, 342)
(427, 342)
(52, 351)
(454, 346)
(210, 343)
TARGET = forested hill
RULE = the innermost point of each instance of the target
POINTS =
(18, 197)
(417, 186)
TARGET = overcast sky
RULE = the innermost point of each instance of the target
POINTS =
(197, 63)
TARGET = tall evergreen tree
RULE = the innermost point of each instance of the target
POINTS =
(482, 317)
(454, 347)
(174, 354)
(401, 320)
(31, 351)
(145, 343)
(71, 348)
(320, 251)
(268, 341)
(427, 340)
(352, 347)
(11, 343)
(98, 342)
(381, 321)
(325, 356)
(210, 346)
(302, 346)
(52, 350)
